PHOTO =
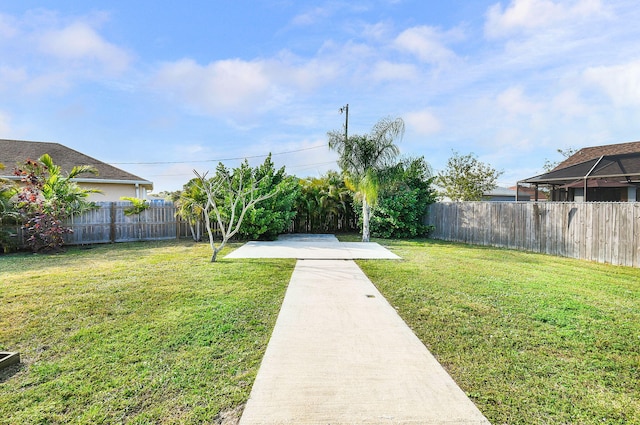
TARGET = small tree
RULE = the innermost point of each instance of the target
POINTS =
(138, 206)
(466, 178)
(190, 205)
(47, 199)
(404, 200)
(229, 196)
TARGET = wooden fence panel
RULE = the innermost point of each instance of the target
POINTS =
(606, 232)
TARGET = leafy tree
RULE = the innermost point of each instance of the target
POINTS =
(466, 179)
(404, 200)
(229, 196)
(47, 199)
(274, 214)
(361, 159)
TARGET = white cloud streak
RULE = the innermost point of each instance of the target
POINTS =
(620, 82)
(425, 43)
(423, 122)
(529, 15)
(80, 42)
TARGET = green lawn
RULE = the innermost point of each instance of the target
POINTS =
(532, 339)
(154, 333)
(134, 333)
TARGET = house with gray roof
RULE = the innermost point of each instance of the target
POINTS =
(112, 181)
(599, 173)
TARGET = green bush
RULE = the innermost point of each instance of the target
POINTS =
(404, 200)
(274, 215)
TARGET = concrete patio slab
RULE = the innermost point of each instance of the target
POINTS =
(340, 354)
(302, 246)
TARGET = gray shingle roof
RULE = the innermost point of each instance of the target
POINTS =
(617, 167)
(13, 152)
(594, 152)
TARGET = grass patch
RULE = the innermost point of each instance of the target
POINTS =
(532, 339)
(134, 333)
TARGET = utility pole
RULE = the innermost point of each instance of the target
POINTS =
(345, 109)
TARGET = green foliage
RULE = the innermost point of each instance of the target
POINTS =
(190, 203)
(274, 215)
(233, 194)
(137, 205)
(404, 200)
(47, 199)
(324, 204)
(8, 214)
(466, 179)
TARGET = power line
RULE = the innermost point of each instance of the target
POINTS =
(292, 167)
(216, 160)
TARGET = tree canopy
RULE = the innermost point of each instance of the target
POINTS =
(466, 178)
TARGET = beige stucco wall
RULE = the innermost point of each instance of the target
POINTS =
(113, 192)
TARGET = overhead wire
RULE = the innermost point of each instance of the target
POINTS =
(217, 160)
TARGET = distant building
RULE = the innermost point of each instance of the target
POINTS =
(504, 194)
(113, 182)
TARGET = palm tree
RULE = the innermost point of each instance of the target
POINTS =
(363, 157)
(190, 207)
(64, 194)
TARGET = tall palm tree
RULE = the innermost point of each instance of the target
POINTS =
(363, 157)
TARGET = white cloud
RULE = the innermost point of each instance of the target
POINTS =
(220, 86)
(514, 102)
(569, 103)
(423, 122)
(8, 28)
(377, 31)
(312, 16)
(620, 82)
(426, 43)
(385, 71)
(239, 88)
(79, 41)
(10, 76)
(528, 15)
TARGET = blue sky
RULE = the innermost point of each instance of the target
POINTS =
(160, 89)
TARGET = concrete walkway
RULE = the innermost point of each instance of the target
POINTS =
(340, 354)
(308, 247)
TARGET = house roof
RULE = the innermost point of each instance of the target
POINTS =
(13, 152)
(593, 152)
(615, 163)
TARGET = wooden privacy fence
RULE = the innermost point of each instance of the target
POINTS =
(109, 223)
(606, 232)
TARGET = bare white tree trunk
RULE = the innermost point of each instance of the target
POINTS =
(366, 214)
(242, 196)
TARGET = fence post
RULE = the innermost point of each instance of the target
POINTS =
(112, 223)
